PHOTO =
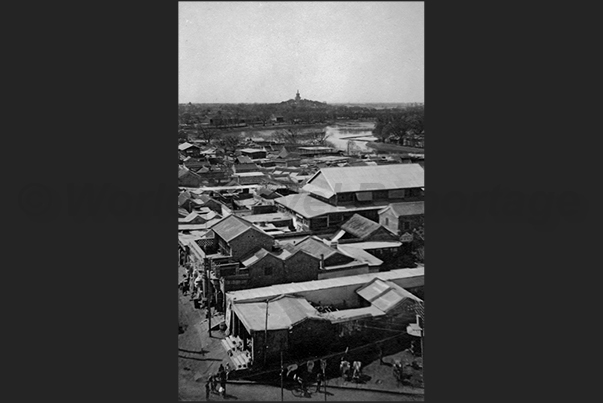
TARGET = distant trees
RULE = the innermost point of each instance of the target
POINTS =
(289, 136)
(205, 133)
(399, 124)
(308, 112)
(230, 142)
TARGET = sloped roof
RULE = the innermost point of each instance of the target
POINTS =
(306, 205)
(360, 255)
(367, 178)
(182, 171)
(185, 146)
(184, 196)
(283, 313)
(243, 159)
(188, 218)
(360, 227)
(231, 227)
(385, 295)
(252, 150)
(314, 247)
(324, 192)
(245, 165)
(369, 245)
(354, 314)
(411, 277)
(407, 208)
(248, 261)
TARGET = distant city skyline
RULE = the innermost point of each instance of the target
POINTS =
(334, 52)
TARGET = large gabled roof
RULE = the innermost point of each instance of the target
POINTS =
(368, 178)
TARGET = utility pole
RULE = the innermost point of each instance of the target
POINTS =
(282, 373)
(324, 375)
(207, 279)
(266, 334)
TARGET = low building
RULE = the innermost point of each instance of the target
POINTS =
(276, 219)
(279, 266)
(249, 178)
(189, 149)
(333, 262)
(290, 318)
(253, 153)
(309, 152)
(359, 228)
(334, 195)
(187, 178)
(403, 217)
(245, 167)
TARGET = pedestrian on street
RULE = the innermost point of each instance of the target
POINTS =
(223, 386)
(319, 378)
(207, 388)
(213, 383)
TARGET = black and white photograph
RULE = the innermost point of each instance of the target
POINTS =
(301, 165)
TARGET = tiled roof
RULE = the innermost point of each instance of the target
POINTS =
(314, 247)
(368, 178)
(360, 226)
(407, 208)
(385, 295)
(231, 227)
(282, 313)
(407, 277)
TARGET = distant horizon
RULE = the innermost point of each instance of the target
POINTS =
(333, 52)
(331, 103)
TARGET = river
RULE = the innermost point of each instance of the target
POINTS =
(338, 135)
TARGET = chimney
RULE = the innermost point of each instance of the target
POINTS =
(334, 244)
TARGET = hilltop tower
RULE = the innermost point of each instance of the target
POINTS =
(297, 97)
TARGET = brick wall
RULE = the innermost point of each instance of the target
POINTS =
(249, 240)
(301, 267)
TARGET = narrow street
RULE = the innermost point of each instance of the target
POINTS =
(200, 356)
(271, 393)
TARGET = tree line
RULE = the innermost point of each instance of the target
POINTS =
(306, 112)
(395, 126)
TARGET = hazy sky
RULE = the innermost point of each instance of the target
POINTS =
(333, 52)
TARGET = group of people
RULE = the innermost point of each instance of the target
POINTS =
(353, 372)
(191, 282)
(302, 385)
(211, 386)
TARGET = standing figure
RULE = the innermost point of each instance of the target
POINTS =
(207, 388)
(319, 379)
(223, 386)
